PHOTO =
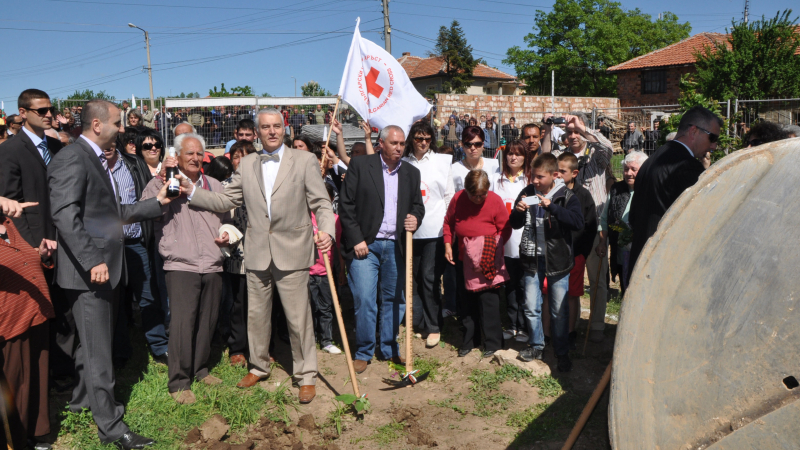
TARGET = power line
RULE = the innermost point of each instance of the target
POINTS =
(159, 5)
(482, 11)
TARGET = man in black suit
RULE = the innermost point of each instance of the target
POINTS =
(84, 201)
(672, 169)
(23, 177)
(380, 200)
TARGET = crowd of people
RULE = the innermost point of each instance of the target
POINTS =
(90, 237)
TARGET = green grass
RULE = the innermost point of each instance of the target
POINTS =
(613, 306)
(431, 366)
(547, 421)
(151, 411)
(616, 165)
(388, 435)
(449, 403)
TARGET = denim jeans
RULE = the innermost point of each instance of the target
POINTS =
(143, 286)
(382, 266)
(322, 307)
(557, 288)
(157, 264)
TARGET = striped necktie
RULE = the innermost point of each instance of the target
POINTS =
(45, 152)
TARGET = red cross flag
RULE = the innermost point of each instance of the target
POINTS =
(378, 88)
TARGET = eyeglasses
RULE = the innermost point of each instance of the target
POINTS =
(149, 146)
(423, 139)
(711, 136)
(43, 111)
(473, 144)
(17, 123)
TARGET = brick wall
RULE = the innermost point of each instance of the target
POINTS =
(523, 108)
(629, 88)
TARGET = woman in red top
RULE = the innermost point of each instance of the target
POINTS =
(475, 212)
(24, 309)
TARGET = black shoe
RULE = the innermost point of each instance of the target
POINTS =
(131, 440)
(462, 352)
(34, 445)
(530, 353)
(564, 363)
(161, 359)
(488, 353)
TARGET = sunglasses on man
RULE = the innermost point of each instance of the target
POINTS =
(711, 136)
(149, 146)
(43, 111)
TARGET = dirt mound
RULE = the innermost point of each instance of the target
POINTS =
(264, 435)
(410, 418)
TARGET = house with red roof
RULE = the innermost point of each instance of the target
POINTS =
(653, 79)
(428, 74)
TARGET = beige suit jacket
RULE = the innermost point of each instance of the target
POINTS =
(298, 190)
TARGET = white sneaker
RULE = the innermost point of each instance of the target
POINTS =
(332, 349)
(508, 334)
(418, 335)
(521, 336)
(448, 313)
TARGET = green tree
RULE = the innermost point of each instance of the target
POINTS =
(237, 91)
(580, 39)
(266, 94)
(760, 62)
(313, 89)
(451, 45)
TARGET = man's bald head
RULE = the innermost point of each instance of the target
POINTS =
(184, 127)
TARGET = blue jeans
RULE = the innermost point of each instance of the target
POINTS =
(380, 266)
(557, 288)
(144, 288)
(157, 264)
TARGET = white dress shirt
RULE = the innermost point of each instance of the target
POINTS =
(687, 147)
(99, 153)
(269, 170)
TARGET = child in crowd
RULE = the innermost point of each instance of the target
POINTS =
(320, 289)
(582, 241)
(548, 219)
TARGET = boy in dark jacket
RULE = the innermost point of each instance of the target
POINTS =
(549, 217)
(582, 240)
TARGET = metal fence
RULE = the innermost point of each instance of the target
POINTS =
(781, 111)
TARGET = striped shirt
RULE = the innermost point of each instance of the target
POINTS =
(127, 194)
(593, 174)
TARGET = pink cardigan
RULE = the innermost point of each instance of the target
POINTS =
(474, 280)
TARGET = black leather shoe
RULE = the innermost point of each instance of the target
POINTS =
(34, 445)
(462, 352)
(131, 440)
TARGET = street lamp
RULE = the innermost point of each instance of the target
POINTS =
(295, 86)
(149, 66)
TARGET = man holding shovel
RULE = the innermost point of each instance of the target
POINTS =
(281, 187)
(380, 200)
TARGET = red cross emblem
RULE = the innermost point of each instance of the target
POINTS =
(372, 86)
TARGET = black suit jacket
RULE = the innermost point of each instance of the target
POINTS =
(660, 181)
(361, 201)
(23, 177)
(89, 218)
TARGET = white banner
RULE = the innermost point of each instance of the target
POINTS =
(375, 84)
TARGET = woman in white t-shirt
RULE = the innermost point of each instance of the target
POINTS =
(472, 139)
(436, 184)
(507, 184)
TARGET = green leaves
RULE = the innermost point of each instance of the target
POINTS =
(346, 398)
(580, 39)
(313, 89)
(246, 91)
(451, 45)
(760, 63)
(360, 404)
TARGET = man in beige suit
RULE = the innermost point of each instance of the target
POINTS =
(279, 245)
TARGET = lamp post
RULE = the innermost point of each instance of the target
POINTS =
(295, 86)
(149, 66)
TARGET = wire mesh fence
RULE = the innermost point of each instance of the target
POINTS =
(780, 111)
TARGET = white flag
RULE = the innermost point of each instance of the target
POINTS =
(133, 102)
(376, 85)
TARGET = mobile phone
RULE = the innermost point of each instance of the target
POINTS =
(531, 201)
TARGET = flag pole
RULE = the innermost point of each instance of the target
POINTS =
(324, 162)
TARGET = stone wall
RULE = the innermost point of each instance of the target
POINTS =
(524, 108)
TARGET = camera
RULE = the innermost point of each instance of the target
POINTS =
(555, 120)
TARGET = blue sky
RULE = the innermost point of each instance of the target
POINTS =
(64, 45)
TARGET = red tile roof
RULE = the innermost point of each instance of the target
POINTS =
(417, 67)
(677, 54)
(680, 53)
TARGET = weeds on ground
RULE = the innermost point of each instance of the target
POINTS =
(335, 416)
(385, 436)
(151, 411)
(546, 421)
(449, 403)
(431, 366)
(614, 305)
(485, 383)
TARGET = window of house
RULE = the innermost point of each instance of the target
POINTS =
(654, 82)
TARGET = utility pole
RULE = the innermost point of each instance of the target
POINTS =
(295, 86)
(553, 92)
(387, 29)
(149, 66)
(746, 11)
